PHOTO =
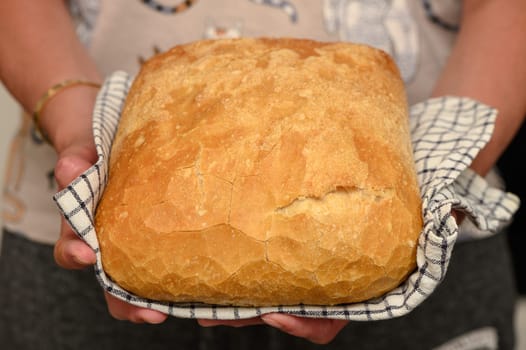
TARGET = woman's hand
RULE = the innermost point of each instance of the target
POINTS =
(319, 331)
(73, 253)
(67, 120)
(70, 251)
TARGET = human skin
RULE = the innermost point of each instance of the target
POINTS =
(39, 48)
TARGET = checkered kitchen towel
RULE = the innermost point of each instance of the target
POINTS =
(447, 134)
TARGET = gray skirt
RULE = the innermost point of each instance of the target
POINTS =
(45, 307)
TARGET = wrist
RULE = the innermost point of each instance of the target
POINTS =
(65, 118)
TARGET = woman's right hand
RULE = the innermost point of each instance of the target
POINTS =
(68, 118)
(73, 253)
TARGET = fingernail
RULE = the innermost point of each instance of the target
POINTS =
(79, 261)
(153, 317)
(82, 260)
(271, 321)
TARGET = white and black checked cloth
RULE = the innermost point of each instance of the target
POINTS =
(447, 133)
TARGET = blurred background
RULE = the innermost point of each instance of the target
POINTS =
(9, 120)
(510, 164)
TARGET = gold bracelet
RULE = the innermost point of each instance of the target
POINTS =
(52, 91)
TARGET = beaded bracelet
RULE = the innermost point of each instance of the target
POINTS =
(51, 92)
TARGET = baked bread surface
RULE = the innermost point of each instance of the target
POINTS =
(258, 172)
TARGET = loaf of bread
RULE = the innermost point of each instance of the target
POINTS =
(258, 172)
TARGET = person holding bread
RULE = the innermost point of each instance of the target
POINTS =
(56, 54)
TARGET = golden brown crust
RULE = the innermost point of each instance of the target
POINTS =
(262, 172)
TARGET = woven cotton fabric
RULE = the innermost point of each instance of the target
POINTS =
(447, 133)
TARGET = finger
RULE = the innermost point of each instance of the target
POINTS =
(69, 167)
(71, 252)
(124, 311)
(231, 323)
(319, 331)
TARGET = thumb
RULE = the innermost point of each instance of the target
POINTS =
(72, 162)
(70, 252)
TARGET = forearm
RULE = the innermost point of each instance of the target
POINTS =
(488, 64)
(39, 48)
